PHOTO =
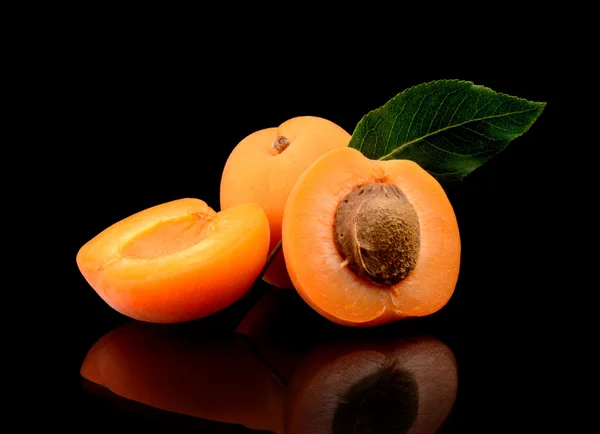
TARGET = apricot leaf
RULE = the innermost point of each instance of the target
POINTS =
(449, 127)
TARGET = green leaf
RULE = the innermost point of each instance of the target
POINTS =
(449, 127)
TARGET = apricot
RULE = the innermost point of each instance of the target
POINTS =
(369, 242)
(178, 372)
(264, 166)
(404, 385)
(177, 261)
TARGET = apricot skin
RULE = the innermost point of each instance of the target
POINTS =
(157, 266)
(256, 172)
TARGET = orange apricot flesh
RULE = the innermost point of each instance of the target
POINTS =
(322, 276)
(177, 261)
(256, 171)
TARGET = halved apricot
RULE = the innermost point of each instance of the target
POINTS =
(177, 261)
(264, 166)
(405, 385)
(369, 242)
(176, 371)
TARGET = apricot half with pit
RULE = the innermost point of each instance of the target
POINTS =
(368, 242)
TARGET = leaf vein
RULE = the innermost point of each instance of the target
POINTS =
(448, 127)
(482, 107)
(440, 106)
(457, 108)
(479, 134)
(387, 143)
(496, 126)
(415, 115)
(369, 131)
(447, 151)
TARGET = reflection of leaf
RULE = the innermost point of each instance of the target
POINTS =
(449, 127)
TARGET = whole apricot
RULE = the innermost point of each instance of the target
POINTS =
(264, 167)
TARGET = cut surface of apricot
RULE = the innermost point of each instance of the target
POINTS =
(177, 261)
(425, 265)
(264, 166)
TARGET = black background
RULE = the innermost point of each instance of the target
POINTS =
(143, 122)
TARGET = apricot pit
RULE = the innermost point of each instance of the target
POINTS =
(377, 232)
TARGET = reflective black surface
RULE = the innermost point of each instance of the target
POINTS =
(275, 367)
(153, 133)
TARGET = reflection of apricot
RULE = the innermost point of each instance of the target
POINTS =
(263, 167)
(177, 261)
(369, 242)
(209, 379)
(271, 325)
(406, 386)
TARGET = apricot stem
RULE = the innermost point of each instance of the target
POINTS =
(281, 143)
(270, 259)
